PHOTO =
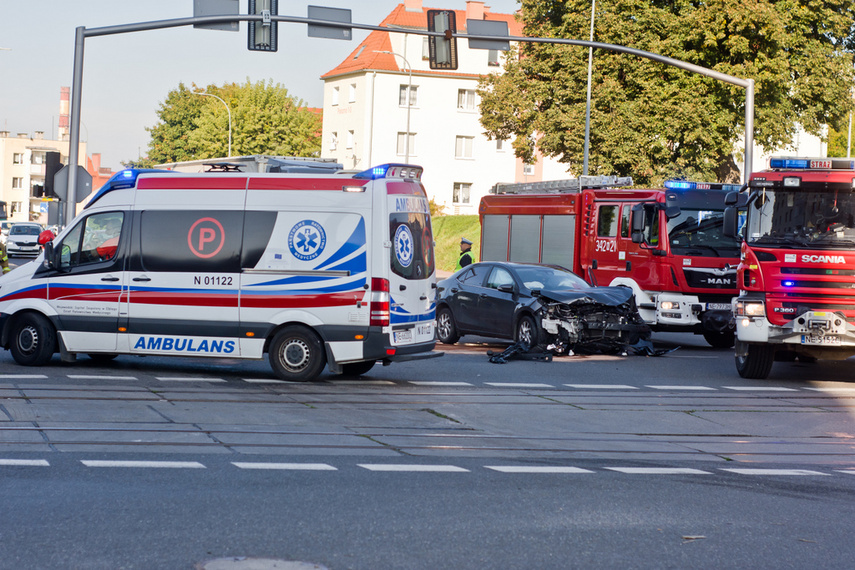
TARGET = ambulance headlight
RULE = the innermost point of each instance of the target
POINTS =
(750, 309)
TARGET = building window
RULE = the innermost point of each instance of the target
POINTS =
(466, 99)
(335, 94)
(402, 148)
(18, 158)
(333, 140)
(493, 57)
(463, 147)
(38, 158)
(350, 139)
(352, 97)
(500, 145)
(17, 182)
(461, 192)
(402, 95)
(425, 49)
(528, 170)
(17, 207)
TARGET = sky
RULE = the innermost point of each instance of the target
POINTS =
(127, 76)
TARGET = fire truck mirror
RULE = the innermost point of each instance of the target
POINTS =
(731, 219)
(672, 212)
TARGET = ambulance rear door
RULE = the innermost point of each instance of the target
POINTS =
(412, 276)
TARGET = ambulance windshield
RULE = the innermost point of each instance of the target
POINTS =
(412, 245)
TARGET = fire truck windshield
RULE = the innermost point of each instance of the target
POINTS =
(699, 233)
(800, 218)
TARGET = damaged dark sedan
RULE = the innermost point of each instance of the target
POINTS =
(535, 304)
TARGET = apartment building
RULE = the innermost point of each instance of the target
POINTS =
(383, 104)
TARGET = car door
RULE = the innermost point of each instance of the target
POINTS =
(85, 285)
(464, 298)
(497, 304)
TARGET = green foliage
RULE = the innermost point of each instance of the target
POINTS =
(265, 120)
(653, 121)
(447, 231)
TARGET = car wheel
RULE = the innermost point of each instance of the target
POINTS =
(33, 340)
(721, 339)
(357, 368)
(446, 331)
(297, 354)
(754, 360)
(526, 331)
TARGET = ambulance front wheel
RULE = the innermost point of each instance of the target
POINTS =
(33, 340)
(297, 354)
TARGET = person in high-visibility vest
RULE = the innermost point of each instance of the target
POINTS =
(465, 254)
(4, 259)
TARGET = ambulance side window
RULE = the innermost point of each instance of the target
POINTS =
(95, 239)
(412, 245)
(191, 240)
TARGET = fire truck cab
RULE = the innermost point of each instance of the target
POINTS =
(796, 275)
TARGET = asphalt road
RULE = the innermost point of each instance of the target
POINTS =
(454, 462)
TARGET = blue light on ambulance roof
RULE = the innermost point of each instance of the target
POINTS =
(399, 171)
(126, 178)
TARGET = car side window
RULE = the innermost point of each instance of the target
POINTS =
(93, 240)
(500, 276)
(475, 275)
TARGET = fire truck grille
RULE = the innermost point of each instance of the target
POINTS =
(708, 280)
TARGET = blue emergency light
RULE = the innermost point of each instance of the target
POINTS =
(685, 185)
(790, 163)
(126, 178)
(402, 171)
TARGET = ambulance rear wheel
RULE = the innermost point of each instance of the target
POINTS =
(33, 340)
(297, 354)
(754, 360)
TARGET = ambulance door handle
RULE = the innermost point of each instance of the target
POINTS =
(402, 287)
(143, 278)
(109, 278)
(423, 298)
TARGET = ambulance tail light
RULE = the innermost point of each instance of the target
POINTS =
(380, 299)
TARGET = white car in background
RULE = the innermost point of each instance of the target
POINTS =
(23, 239)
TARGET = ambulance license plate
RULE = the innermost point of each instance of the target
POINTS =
(823, 340)
(424, 330)
(403, 336)
(718, 306)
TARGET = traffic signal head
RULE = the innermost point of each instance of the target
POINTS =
(263, 35)
(442, 50)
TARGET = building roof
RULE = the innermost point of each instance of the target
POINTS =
(364, 57)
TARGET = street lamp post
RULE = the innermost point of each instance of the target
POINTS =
(588, 104)
(229, 111)
(409, 106)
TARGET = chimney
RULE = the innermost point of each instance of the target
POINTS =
(39, 135)
(412, 5)
(474, 10)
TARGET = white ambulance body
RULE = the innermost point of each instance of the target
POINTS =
(334, 269)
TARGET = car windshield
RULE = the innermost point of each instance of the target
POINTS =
(25, 231)
(549, 278)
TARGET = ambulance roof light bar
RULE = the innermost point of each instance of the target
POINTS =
(687, 185)
(126, 178)
(807, 163)
(391, 171)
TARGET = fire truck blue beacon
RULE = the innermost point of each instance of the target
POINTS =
(313, 270)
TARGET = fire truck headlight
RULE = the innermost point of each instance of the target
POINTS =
(668, 305)
(750, 309)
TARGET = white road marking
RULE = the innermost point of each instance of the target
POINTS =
(518, 385)
(847, 471)
(658, 471)
(24, 462)
(99, 377)
(440, 383)
(21, 376)
(774, 472)
(267, 381)
(413, 468)
(681, 387)
(603, 386)
(147, 464)
(286, 466)
(186, 379)
(760, 388)
(366, 382)
(832, 389)
(527, 469)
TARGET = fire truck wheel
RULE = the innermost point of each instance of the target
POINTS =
(754, 360)
(445, 329)
(297, 354)
(357, 368)
(720, 339)
(526, 331)
(33, 340)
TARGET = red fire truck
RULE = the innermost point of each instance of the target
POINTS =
(666, 244)
(797, 271)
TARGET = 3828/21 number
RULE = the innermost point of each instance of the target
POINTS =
(608, 245)
(212, 280)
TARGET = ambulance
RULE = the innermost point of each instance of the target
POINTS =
(318, 270)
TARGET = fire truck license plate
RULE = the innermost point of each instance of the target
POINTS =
(825, 340)
(403, 336)
(718, 306)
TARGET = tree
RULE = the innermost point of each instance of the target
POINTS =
(265, 120)
(652, 121)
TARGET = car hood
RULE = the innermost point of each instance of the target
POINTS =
(29, 240)
(610, 296)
